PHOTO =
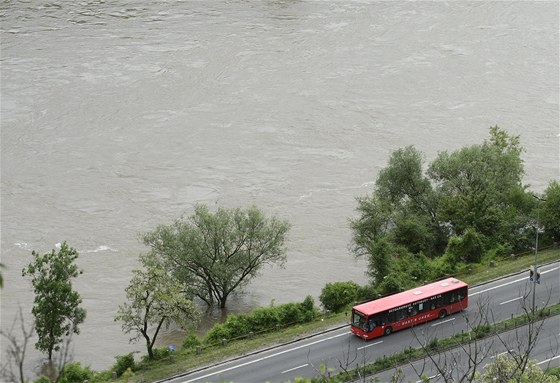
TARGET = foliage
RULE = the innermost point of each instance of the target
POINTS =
(505, 370)
(191, 341)
(75, 373)
(42, 379)
(214, 254)
(550, 212)
(123, 363)
(262, 319)
(338, 295)
(128, 374)
(154, 299)
(56, 306)
(468, 247)
(381, 251)
(158, 354)
(466, 205)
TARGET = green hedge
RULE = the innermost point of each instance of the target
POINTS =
(262, 319)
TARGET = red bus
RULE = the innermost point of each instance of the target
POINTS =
(395, 312)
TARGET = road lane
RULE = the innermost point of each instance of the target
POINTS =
(339, 346)
(546, 352)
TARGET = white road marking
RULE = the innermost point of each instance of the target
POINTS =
(511, 300)
(509, 283)
(369, 345)
(295, 368)
(263, 358)
(429, 378)
(501, 353)
(445, 321)
(548, 360)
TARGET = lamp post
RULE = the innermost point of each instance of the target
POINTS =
(535, 275)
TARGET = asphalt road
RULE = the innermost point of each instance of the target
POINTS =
(338, 348)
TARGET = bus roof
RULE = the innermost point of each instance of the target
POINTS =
(409, 296)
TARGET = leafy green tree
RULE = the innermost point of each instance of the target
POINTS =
(468, 202)
(336, 296)
(56, 306)
(480, 187)
(155, 300)
(550, 211)
(381, 254)
(215, 254)
(403, 204)
(467, 247)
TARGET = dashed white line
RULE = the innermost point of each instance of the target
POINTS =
(296, 368)
(511, 300)
(509, 283)
(369, 345)
(445, 321)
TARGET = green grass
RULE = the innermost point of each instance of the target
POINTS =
(184, 360)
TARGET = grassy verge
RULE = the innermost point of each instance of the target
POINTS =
(188, 359)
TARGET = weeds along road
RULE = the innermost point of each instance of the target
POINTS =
(500, 299)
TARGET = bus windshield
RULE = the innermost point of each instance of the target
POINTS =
(359, 320)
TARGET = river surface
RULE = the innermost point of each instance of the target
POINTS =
(117, 116)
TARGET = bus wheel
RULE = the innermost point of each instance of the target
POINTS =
(442, 314)
(388, 330)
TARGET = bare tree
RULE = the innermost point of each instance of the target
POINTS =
(16, 349)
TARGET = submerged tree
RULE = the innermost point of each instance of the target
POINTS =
(56, 306)
(155, 300)
(215, 254)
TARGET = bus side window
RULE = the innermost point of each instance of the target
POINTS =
(462, 293)
(421, 307)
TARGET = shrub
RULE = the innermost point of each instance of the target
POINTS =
(264, 318)
(42, 379)
(217, 333)
(191, 341)
(123, 363)
(366, 293)
(309, 309)
(336, 296)
(290, 313)
(74, 373)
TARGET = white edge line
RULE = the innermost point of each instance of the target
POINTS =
(369, 345)
(548, 360)
(445, 321)
(509, 283)
(262, 358)
(511, 300)
(295, 368)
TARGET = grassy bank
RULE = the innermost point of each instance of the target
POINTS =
(188, 359)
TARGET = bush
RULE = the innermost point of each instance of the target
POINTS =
(42, 379)
(367, 293)
(309, 309)
(261, 319)
(217, 333)
(338, 295)
(191, 341)
(123, 363)
(290, 313)
(74, 373)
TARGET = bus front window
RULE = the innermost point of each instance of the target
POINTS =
(359, 320)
